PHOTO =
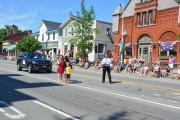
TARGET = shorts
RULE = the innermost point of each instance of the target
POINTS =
(68, 76)
(171, 65)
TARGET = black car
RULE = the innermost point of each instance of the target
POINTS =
(33, 61)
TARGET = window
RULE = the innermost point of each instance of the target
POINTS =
(144, 19)
(145, 50)
(138, 19)
(101, 48)
(53, 35)
(37, 37)
(164, 53)
(60, 33)
(65, 32)
(42, 37)
(128, 51)
(48, 36)
(65, 48)
(150, 17)
(72, 31)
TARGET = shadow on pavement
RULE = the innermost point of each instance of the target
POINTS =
(40, 72)
(75, 82)
(117, 116)
(114, 82)
(9, 88)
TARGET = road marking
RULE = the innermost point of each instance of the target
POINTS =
(157, 94)
(125, 82)
(173, 101)
(19, 113)
(176, 93)
(55, 110)
(103, 91)
(135, 84)
(126, 96)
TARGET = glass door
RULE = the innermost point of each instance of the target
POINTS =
(145, 52)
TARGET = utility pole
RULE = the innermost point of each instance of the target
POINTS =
(122, 37)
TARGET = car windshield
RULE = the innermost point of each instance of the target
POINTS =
(37, 56)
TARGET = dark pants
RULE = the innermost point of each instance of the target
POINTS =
(108, 70)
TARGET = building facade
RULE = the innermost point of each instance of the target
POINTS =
(151, 28)
(9, 45)
(102, 42)
(48, 35)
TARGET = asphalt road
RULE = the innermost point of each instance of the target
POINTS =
(38, 96)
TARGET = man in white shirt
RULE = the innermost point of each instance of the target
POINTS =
(106, 63)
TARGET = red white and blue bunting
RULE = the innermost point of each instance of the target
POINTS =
(167, 46)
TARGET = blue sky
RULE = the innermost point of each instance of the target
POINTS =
(27, 14)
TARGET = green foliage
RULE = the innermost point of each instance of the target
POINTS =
(3, 34)
(29, 44)
(3, 31)
(178, 36)
(84, 30)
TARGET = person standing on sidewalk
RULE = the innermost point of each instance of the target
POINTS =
(107, 64)
(171, 63)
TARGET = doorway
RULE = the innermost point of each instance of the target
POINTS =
(144, 50)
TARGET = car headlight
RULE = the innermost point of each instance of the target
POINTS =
(34, 62)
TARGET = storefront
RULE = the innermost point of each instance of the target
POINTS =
(151, 28)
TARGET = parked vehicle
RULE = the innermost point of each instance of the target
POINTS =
(33, 61)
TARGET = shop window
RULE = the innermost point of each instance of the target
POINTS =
(167, 49)
(164, 53)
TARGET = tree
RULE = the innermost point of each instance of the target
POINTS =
(84, 30)
(5, 30)
(29, 44)
(3, 35)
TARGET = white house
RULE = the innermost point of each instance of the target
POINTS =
(48, 35)
(102, 41)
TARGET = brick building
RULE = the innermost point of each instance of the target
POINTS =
(151, 28)
(9, 50)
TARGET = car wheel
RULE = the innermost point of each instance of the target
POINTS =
(29, 68)
(49, 70)
(19, 68)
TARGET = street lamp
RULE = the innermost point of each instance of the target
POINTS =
(178, 1)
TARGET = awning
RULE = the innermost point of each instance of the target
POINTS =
(3, 48)
(11, 47)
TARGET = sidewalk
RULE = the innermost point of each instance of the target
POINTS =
(116, 75)
(130, 76)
